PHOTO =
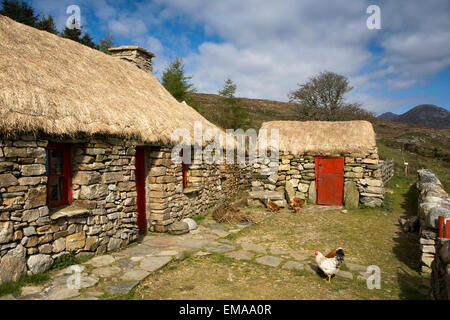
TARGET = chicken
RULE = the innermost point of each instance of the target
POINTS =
(296, 204)
(272, 206)
(330, 263)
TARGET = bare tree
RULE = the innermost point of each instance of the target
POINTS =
(322, 98)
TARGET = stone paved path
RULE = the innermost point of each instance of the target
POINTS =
(119, 272)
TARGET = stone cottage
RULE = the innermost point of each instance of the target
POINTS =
(85, 151)
(328, 163)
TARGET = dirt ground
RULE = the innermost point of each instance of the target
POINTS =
(368, 237)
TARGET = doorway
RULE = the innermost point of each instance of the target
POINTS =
(140, 189)
(330, 180)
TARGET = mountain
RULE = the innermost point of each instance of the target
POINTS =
(389, 116)
(426, 115)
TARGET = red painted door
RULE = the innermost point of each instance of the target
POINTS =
(330, 180)
(140, 189)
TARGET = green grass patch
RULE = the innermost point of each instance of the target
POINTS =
(14, 288)
(69, 259)
(198, 218)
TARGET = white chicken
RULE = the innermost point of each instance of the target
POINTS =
(330, 263)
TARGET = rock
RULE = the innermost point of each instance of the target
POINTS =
(351, 195)
(293, 265)
(240, 255)
(253, 247)
(75, 241)
(33, 170)
(444, 251)
(269, 261)
(152, 264)
(6, 231)
(355, 267)
(272, 195)
(7, 180)
(303, 187)
(13, 265)
(39, 263)
(59, 245)
(114, 244)
(191, 223)
(178, 227)
(312, 192)
(344, 274)
(371, 202)
(221, 248)
(121, 287)
(86, 178)
(134, 274)
(290, 192)
(100, 261)
(94, 191)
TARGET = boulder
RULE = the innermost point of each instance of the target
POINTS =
(272, 195)
(178, 227)
(191, 223)
(312, 192)
(351, 195)
(39, 263)
(13, 265)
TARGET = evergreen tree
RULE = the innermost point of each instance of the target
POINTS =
(19, 11)
(77, 35)
(47, 24)
(233, 114)
(176, 82)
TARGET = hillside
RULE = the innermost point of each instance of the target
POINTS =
(426, 115)
(420, 146)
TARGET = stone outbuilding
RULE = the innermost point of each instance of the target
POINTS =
(85, 152)
(327, 163)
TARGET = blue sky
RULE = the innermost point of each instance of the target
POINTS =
(268, 47)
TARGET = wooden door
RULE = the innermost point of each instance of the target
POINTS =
(330, 180)
(140, 189)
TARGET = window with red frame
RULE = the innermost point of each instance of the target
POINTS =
(59, 189)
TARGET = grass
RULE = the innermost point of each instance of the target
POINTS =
(14, 288)
(369, 237)
(415, 161)
(69, 259)
(198, 218)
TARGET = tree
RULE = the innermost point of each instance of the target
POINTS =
(19, 11)
(106, 43)
(176, 82)
(47, 24)
(76, 35)
(322, 98)
(232, 114)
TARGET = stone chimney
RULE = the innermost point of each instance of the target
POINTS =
(136, 55)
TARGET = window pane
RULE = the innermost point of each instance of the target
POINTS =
(56, 189)
(56, 161)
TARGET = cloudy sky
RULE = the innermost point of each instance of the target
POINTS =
(268, 47)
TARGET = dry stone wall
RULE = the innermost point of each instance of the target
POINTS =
(207, 186)
(433, 202)
(440, 275)
(102, 217)
(296, 178)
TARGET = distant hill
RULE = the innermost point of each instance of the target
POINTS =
(426, 115)
(389, 116)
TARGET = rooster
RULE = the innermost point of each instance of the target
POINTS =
(272, 206)
(296, 204)
(330, 263)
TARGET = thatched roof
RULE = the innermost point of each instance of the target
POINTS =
(323, 137)
(57, 86)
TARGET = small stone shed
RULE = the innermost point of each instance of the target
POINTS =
(329, 163)
(85, 152)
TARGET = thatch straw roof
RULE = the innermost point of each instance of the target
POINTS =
(323, 137)
(57, 86)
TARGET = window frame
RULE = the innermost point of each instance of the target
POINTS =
(66, 174)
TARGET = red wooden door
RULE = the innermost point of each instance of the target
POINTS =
(330, 180)
(140, 189)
